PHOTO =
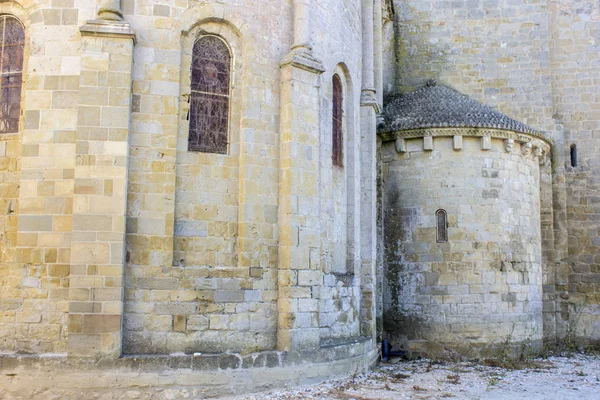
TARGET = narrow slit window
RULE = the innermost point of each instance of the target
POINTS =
(209, 100)
(441, 218)
(337, 146)
(11, 67)
(573, 155)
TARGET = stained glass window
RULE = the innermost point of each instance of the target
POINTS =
(337, 134)
(209, 100)
(442, 226)
(11, 60)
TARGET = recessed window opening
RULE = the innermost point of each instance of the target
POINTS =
(209, 99)
(573, 155)
(11, 70)
(441, 218)
(337, 154)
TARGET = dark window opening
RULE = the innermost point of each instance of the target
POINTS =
(11, 67)
(337, 147)
(209, 103)
(441, 219)
(573, 155)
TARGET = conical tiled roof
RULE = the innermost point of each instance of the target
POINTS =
(438, 106)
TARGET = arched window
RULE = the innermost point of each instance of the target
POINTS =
(573, 155)
(337, 148)
(441, 219)
(11, 60)
(209, 99)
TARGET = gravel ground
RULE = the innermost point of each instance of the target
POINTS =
(575, 377)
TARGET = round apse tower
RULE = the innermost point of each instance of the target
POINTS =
(461, 212)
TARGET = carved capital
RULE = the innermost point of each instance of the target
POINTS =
(368, 98)
(302, 57)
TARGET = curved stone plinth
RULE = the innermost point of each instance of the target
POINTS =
(180, 375)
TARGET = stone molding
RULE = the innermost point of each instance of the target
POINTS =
(466, 131)
(533, 143)
(302, 58)
(368, 98)
(218, 374)
(108, 28)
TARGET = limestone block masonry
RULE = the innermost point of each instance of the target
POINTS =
(465, 291)
(124, 254)
(130, 260)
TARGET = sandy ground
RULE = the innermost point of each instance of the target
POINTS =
(576, 377)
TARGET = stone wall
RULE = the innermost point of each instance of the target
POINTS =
(37, 179)
(202, 228)
(495, 51)
(484, 284)
(575, 61)
(339, 187)
(536, 62)
(118, 239)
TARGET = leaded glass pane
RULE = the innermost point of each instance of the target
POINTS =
(209, 104)
(11, 60)
(337, 133)
(209, 116)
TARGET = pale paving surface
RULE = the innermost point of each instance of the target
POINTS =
(564, 378)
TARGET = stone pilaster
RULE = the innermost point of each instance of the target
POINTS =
(299, 267)
(368, 211)
(368, 158)
(100, 192)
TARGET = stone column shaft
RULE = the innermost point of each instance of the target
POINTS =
(368, 77)
(378, 46)
(301, 24)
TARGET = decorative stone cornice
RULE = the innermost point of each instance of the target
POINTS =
(531, 143)
(479, 132)
(302, 57)
(108, 28)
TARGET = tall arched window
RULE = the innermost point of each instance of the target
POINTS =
(11, 60)
(441, 219)
(337, 148)
(209, 100)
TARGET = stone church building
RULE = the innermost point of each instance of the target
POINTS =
(220, 196)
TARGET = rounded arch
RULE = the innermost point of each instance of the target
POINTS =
(230, 36)
(208, 14)
(210, 93)
(348, 113)
(573, 155)
(337, 135)
(441, 226)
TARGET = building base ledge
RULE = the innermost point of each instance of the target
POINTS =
(200, 375)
